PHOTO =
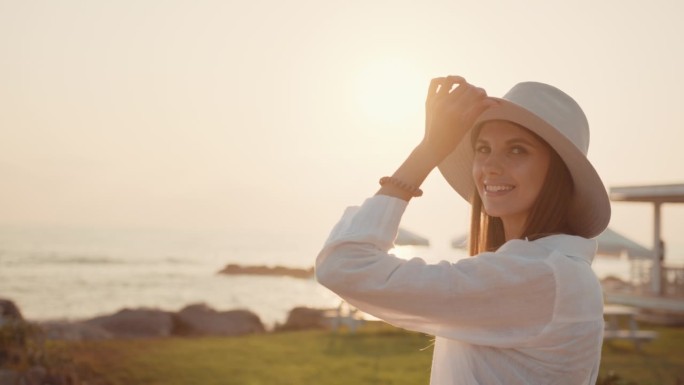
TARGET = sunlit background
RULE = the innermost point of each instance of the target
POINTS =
(263, 119)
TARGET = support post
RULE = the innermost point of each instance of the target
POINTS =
(657, 268)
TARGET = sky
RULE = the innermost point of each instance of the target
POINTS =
(269, 117)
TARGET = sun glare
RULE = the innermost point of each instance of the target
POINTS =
(391, 91)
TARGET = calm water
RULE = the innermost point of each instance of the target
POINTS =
(76, 273)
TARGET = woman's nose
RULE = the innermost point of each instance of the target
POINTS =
(493, 164)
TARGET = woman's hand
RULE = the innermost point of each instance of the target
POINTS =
(451, 108)
(450, 113)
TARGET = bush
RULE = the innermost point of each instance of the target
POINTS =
(25, 352)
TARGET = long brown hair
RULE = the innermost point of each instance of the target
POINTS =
(549, 214)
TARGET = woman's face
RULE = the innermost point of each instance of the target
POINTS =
(509, 170)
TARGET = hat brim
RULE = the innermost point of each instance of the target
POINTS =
(590, 211)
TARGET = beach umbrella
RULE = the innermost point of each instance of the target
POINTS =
(409, 238)
(610, 243)
(460, 242)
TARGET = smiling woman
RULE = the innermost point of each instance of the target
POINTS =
(390, 91)
(526, 308)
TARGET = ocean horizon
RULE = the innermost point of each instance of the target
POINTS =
(73, 274)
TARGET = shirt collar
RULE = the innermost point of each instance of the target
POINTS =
(570, 245)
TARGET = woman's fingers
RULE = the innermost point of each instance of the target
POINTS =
(464, 105)
(467, 92)
(452, 100)
(451, 80)
(466, 97)
(444, 86)
(435, 85)
(476, 109)
(458, 99)
(468, 113)
(451, 108)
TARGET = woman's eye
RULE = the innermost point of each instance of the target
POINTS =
(482, 149)
(518, 150)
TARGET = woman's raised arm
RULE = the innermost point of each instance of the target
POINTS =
(451, 107)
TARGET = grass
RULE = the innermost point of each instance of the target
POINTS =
(374, 355)
(377, 354)
(660, 362)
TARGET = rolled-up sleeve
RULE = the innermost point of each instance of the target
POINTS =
(498, 299)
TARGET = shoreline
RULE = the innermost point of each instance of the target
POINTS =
(194, 320)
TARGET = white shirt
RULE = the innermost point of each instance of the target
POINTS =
(529, 313)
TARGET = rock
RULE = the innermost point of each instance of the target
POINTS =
(74, 331)
(303, 318)
(8, 377)
(39, 375)
(9, 312)
(133, 323)
(66, 377)
(15, 333)
(233, 269)
(36, 375)
(199, 319)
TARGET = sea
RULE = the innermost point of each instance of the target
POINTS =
(67, 273)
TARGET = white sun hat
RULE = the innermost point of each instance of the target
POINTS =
(559, 120)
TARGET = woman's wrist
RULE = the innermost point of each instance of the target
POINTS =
(426, 155)
(412, 173)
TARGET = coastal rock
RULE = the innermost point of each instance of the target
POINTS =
(9, 377)
(9, 312)
(233, 269)
(132, 323)
(39, 375)
(35, 376)
(199, 319)
(303, 318)
(74, 331)
(14, 332)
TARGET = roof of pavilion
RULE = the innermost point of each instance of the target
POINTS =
(664, 193)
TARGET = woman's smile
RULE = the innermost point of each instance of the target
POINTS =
(497, 189)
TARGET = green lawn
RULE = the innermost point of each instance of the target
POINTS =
(377, 354)
(371, 356)
(660, 362)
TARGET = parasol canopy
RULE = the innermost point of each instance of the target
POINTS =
(610, 243)
(409, 238)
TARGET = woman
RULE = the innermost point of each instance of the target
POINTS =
(526, 308)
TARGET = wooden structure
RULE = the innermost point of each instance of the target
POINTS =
(662, 289)
(657, 195)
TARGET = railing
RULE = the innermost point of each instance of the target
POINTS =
(673, 281)
(640, 275)
(672, 278)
